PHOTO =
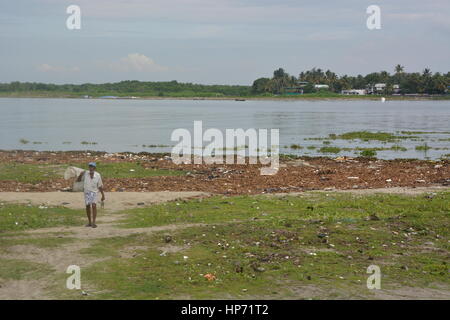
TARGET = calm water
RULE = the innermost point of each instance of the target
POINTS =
(126, 125)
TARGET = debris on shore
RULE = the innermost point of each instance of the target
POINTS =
(294, 175)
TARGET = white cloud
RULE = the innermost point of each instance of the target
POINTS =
(45, 67)
(137, 62)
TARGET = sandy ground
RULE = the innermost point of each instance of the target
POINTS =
(115, 201)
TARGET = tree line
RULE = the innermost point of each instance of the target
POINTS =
(425, 82)
(128, 88)
(281, 82)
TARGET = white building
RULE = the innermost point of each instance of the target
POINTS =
(360, 92)
(379, 86)
(321, 86)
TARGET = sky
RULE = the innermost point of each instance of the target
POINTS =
(217, 41)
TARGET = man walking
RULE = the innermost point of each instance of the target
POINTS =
(92, 185)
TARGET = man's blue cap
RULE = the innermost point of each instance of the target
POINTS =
(92, 164)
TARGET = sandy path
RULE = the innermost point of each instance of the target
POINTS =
(115, 201)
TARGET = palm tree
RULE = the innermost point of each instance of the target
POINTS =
(426, 72)
(399, 69)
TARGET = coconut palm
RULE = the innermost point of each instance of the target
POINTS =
(399, 69)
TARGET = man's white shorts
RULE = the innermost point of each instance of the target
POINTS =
(90, 198)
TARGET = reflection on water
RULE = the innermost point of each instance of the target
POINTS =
(127, 125)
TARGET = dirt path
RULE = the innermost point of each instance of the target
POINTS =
(115, 201)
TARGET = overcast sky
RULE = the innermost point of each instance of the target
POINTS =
(217, 41)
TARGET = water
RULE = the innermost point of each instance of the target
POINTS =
(126, 125)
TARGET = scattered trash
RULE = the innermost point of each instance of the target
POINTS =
(209, 277)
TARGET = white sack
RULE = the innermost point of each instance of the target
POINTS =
(74, 173)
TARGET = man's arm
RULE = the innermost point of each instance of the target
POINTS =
(103, 194)
(80, 176)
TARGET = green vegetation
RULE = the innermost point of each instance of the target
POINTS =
(30, 173)
(423, 147)
(330, 150)
(14, 269)
(296, 146)
(275, 246)
(277, 86)
(132, 170)
(368, 153)
(317, 245)
(35, 173)
(124, 89)
(398, 148)
(410, 83)
(368, 136)
(19, 217)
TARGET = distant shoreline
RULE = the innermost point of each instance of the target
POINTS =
(240, 99)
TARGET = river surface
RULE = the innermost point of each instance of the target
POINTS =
(127, 125)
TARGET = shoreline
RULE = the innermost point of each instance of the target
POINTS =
(243, 99)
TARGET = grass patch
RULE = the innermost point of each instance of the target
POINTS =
(368, 153)
(330, 150)
(29, 173)
(15, 217)
(35, 173)
(24, 141)
(339, 206)
(368, 136)
(259, 246)
(423, 147)
(132, 170)
(13, 269)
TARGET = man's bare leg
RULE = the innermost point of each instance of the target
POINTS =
(94, 215)
(88, 213)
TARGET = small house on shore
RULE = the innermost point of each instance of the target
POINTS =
(360, 92)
